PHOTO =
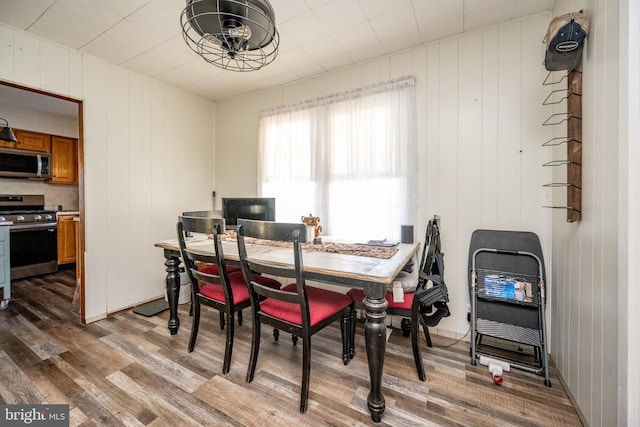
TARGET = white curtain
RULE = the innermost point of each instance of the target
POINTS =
(348, 158)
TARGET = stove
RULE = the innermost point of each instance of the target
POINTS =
(33, 236)
(25, 210)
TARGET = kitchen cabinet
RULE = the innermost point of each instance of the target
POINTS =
(64, 160)
(34, 141)
(66, 239)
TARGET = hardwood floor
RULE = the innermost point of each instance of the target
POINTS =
(128, 370)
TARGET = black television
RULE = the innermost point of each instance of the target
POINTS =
(258, 208)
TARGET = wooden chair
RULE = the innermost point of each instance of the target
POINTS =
(297, 308)
(226, 292)
(411, 307)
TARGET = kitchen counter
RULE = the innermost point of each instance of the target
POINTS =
(60, 213)
(6, 223)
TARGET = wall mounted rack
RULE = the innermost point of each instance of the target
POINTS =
(572, 117)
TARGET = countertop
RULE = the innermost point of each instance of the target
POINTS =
(60, 213)
(6, 223)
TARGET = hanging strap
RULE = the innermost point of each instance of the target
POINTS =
(436, 296)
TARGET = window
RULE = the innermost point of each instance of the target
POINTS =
(349, 159)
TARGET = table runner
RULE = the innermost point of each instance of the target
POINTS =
(383, 252)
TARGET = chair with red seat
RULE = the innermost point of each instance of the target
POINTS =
(427, 305)
(226, 292)
(297, 308)
(212, 268)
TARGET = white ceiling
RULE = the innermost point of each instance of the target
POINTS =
(316, 36)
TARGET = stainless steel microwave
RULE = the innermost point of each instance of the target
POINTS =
(24, 164)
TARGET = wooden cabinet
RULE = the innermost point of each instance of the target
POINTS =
(66, 239)
(64, 160)
(64, 153)
(34, 141)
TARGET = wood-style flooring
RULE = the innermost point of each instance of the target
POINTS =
(128, 370)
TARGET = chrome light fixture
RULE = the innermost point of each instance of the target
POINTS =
(237, 35)
(6, 134)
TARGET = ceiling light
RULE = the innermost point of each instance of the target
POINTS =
(237, 35)
(6, 134)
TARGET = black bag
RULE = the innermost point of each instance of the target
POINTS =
(436, 296)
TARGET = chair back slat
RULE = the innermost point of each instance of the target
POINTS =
(206, 258)
(264, 268)
(269, 230)
(268, 292)
(201, 277)
(204, 225)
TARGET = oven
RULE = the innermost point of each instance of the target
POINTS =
(33, 237)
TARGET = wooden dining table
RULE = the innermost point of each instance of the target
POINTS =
(372, 274)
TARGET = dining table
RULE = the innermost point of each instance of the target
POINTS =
(351, 266)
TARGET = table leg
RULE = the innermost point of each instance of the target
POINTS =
(172, 267)
(375, 336)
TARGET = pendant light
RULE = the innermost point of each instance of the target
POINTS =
(6, 134)
(237, 35)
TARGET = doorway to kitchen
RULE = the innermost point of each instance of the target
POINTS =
(55, 122)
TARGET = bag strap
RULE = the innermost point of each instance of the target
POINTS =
(432, 270)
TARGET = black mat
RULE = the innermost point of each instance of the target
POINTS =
(152, 308)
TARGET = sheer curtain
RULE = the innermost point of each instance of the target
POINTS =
(348, 158)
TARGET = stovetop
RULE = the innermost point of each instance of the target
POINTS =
(28, 217)
(25, 209)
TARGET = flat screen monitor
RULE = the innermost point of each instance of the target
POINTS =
(258, 208)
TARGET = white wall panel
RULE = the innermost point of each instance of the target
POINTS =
(469, 199)
(629, 293)
(6, 53)
(489, 156)
(54, 60)
(95, 184)
(431, 117)
(449, 147)
(26, 57)
(75, 74)
(419, 66)
(118, 169)
(533, 135)
(509, 118)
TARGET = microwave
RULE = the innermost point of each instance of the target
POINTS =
(24, 164)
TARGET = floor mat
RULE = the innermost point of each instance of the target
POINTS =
(152, 308)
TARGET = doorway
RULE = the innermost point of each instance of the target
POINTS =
(61, 118)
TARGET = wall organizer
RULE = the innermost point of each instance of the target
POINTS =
(571, 95)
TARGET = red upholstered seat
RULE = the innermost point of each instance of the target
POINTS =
(213, 269)
(358, 296)
(238, 287)
(322, 305)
